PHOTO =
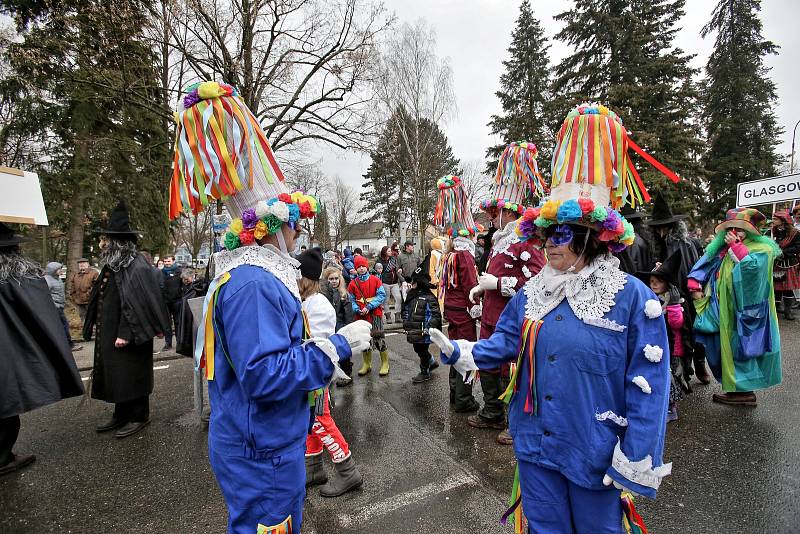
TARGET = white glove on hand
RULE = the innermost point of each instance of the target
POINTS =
(607, 481)
(475, 293)
(441, 341)
(358, 334)
(488, 282)
(476, 311)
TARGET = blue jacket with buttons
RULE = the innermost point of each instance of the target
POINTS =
(583, 371)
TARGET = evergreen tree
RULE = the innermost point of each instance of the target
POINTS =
(322, 229)
(410, 156)
(525, 93)
(625, 58)
(739, 99)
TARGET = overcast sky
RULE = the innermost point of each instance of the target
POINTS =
(475, 34)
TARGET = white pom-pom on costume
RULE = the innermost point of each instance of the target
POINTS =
(652, 308)
(525, 256)
(654, 353)
(280, 210)
(527, 272)
(262, 210)
(643, 384)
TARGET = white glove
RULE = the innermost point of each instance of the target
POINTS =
(441, 341)
(476, 311)
(475, 293)
(607, 481)
(488, 282)
(358, 334)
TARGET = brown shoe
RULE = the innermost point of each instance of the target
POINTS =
(19, 461)
(735, 399)
(476, 421)
(504, 438)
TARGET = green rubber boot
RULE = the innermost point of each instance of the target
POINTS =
(384, 363)
(366, 367)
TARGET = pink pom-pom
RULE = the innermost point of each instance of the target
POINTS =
(586, 204)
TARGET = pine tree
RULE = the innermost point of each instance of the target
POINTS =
(739, 99)
(625, 58)
(525, 92)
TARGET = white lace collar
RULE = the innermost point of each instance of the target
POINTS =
(503, 239)
(590, 292)
(282, 266)
(464, 243)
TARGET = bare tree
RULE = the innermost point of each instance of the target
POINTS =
(194, 231)
(304, 67)
(343, 211)
(414, 80)
(476, 183)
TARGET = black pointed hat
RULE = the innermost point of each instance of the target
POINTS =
(8, 238)
(662, 213)
(667, 271)
(630, 213)
(119, 222)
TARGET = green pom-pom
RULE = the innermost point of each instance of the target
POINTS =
(273, 223)
(599, 214)
(231, 241)
(628, 232)
(541, 222)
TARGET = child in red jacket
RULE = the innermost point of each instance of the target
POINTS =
(368, 295)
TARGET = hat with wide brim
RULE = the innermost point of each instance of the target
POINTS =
(667, 271)
(119, 223)
(662, 213)
(630, 213)
(8, 238)
(747, 219)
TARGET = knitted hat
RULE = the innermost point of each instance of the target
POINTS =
(221, 153)
(517, 179)
(311, 263)
(360, 261)
(592, 178)
(748, 219)
(453, 212)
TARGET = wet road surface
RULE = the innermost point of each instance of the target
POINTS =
(734, 470)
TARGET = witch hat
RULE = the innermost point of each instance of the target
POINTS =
(119, 222)
(662, 213)
(8, 238)
(667, 271)
(631, 214)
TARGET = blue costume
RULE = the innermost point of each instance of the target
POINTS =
(260, 398)
(598, 403)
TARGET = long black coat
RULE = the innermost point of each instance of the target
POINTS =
(127, 305)
(36, 364)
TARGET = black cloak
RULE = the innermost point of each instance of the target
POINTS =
(126, 304)
(36, 363)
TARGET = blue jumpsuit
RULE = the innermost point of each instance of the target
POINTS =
(582, 372)
(259, 397)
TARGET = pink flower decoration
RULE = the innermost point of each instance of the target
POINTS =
(586, 204)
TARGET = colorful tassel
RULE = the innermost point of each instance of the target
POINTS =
(284, 528)
(515, 506)
(631, 520)
(518, 166)
(527, 347)
(453, 211)
(206, 334)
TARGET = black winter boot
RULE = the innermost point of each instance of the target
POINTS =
(788, 308)
(315, 472)
(347, 478)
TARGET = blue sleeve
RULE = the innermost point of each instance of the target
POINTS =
(502, 345)
(379, 299)
(646, 412)
(353, 303)
(269, 364)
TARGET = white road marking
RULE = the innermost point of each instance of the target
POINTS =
(391, 334)
(160, 367)
(396, 502)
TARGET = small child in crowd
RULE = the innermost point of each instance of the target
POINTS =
(420, 313)
(368, 295)
(662, 280)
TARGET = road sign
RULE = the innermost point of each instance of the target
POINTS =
(768, 191)
(21, 201)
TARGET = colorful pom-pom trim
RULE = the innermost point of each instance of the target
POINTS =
(268, 217)
(503, 204)
(611, 227)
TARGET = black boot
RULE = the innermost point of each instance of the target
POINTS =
(788, 311)
(315, 472)
(347, 478)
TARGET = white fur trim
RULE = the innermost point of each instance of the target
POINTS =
(621, 421)
(527, 272)
(643, 384)
(652, 309)
(465, 365)
(508, 286)
(641, 472)
(525, 255)
(654, 353)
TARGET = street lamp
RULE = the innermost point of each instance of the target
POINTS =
(791, 158)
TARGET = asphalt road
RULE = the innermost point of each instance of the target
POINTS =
(734, 470)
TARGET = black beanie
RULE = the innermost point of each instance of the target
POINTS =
(311, 263)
